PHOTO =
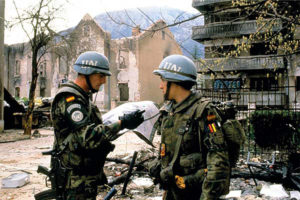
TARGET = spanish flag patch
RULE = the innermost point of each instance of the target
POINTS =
(163, 150)
(69, 99)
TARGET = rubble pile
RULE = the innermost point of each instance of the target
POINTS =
(142, 187)
(25, 155)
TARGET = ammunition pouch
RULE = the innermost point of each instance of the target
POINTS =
(189, 164)
(196, 179)
(191, 168)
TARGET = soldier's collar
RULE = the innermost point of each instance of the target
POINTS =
(74, 85)
(167, 107)
(186, 103)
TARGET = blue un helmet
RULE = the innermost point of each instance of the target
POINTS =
(92, 62)
(177, 68)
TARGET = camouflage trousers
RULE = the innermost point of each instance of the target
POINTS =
(82, 187)
(79, 194)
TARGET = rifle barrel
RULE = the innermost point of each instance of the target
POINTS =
(129, 172)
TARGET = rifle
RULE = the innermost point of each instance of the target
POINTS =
(57, 176)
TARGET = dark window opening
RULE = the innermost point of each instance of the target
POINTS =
(221, 17)
(298, 83)
(62, 65)
(42, 70)
(261, 49)
(86, 30)
(218, 51)
(17, 92)
(123, 59)
(124, 91)
(17, 69)
(122, 62)
(42, 92)
(163, 35)
(263, 84)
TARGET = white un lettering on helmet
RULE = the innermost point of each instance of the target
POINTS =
(171, 66)
(89, 62)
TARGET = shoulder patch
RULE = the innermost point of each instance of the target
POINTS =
(77, 116)
(73, 106)
(69, 99)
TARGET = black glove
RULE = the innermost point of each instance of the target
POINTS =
(132, 120)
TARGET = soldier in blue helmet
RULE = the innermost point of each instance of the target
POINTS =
(193, 160)
(82, 141)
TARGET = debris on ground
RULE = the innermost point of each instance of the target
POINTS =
(25, 155)
(15, 180)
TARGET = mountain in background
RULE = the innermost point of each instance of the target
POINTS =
(144, 17)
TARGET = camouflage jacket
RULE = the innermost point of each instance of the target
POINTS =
(73, 113)
(203, 158)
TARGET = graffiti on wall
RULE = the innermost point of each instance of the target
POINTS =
(231, 85)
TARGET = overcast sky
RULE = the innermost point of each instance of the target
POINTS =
(76, 9)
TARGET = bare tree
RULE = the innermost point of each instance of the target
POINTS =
(36, 23)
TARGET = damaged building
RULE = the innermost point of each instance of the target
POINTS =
(132, 60)
(256, 75)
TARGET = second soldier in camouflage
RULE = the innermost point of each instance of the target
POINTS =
(193, 160)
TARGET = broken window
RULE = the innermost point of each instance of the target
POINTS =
(298, 83)
(218, 51)
(261, 49)
(124, 91)
(42, 92)
(62, 65)
(17, 69)
(42, 70)
(17, 92)
(263, 84)
(86, 30)
(123, 59)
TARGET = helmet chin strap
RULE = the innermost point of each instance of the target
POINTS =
(166, 95)
(87, 79)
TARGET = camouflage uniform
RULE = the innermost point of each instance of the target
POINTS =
(204, 166)
(85, 153)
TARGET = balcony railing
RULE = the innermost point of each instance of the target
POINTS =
(201, 5)
(241, 63)
(234, 29)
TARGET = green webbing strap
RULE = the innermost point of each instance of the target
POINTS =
(64, 144)
(191, 111)
(202, 107)
(176, 152)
